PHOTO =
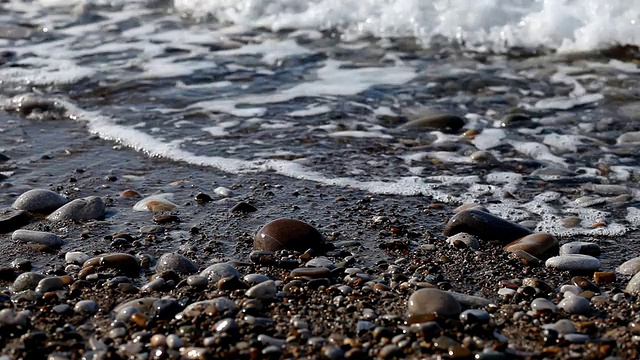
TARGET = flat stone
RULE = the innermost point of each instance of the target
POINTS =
(538, 244)
(430, 301)
(11, 219)
(177, 263)
(123, 262)
(633, 287)
(562, 326)
(580, 247)
(485, 226)
(156, 203)
(287, 234)
(310, 272)
(41, 201)
(469, 300)
(36, 237)
(629, 267)
(89, 208)
(26, 281)
(218, 271)
(573, 262)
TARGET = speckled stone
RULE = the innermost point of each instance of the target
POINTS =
(573, 262)
(629, 267)
(464, 240)
(41, 201)
(218, 271)
(89, 208)
(287, 234)
(177, 263)
(36, 237)
(580, 247)
(429, 301)
(537, 244)
(485, 226)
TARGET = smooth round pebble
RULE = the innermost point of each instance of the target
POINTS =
(263, 291)
(485, 226)
(27, 281)
(537, 244)
(174, 341)
(580, 247)
(177, 263)
(474, 316)
(562, 326)
(429, 301)
(574, 304)
(320, 262)
(633, 287)
(287, 234)
(41, 201)
(88, 208)
(50, 284)
(197, 281)
(629, 267)
(124, 314)
(464, 240)
(573, 262)
(36, 237)
(76, 257)
(253, 279)
(86, 307)
(542, 304)
(218, 271)
(126, 263)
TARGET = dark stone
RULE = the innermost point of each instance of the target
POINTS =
(243, 207)
(287, 234)
(11, 219)
(445, 123)
(485, 226)
(125, 263)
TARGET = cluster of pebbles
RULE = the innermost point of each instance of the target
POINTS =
(487, 289)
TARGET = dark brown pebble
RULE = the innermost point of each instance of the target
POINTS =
(444, 122)
(165, 219)
(586, 285)
(231, 283)
(287, 234)
(604, 277)
(485, 226)
(7, 273)
(129, 193)
(312, 272)
(203, 198)
(243, 207)
(11, 219)
(538, 245)
(126, 263)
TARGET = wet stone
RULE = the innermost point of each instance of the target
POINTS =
(152, 229)
(36, 237)
(537, 244)
(474, 316)
(26, 281)
(76, 257)
(542, 304)
(573, 262)
(86, 307)
(574, 304)
(218, 271)
(156, 203)
(263, 291)
(89, 208)
(50, 284)
(197, 281)
(123, 262)
(526, 258)
(429, 301)
(177, 263)
(321, 262)
(563, 326)
(633, 286)
(312, 272)
(485, 226)
(444, 122)
(629, 267)
(243, 207)
(287, 234)
(580, 247)
(464, 240)
(11, 219)
(41, 201)
(585, 284)
(254, 279)
(390, 352)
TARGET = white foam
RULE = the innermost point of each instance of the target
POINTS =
(311, 111)
(271, 50)
(360, 134)
(563, 24)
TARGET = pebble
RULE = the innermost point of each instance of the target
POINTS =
(485, 226)
(580, 247)
(429, 301)
(629, 267)
(442, 122)
(390, 352)
(537, 244)
(574, 304)
(88, 208)
(321, 262)
(576, 338)
(126, 263)
(208, 307)
(470, 206)
(174, 341)
(573, 262)
(156, 203)
(464, 240)
(11, 219)
(86, 307)
(36, 237)
(130, 193)
(604, 277)
(469, 300)
(542, 304)
(526, 258)
(26, 281)
(633, 286)
(52, 283)
(263, 291)
(197, 281)
(254, 279)
(312, 272)
(474, 316)
(562, 326)
(218, 271)
(287, 234)
(227, 325)
(222, 192)
(177, 263)
(243, 207)
(41, 201)
(124, 313)
(76, 257)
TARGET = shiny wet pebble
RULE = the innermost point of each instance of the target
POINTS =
(288, 234)
(573, 262)
(218, 271)
(485, 226)
(429, 301)
(177, 263)
(88, 208)
(37, 237)
(39, 201)
(580, 247)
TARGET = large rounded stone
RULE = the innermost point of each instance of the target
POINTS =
(633, 286)
(89, 208)
(177, 263)
(573, 262)
(36, 237)
(629, 267)
(218, 271)
(538, 244)
(429, 301)
(287, 234)
(485, 226)
(39, 201)
(125, 263)
(580, 247)
(11, 219)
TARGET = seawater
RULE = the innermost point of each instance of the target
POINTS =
(318, 90)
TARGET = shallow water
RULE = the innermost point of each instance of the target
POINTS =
(258, 87)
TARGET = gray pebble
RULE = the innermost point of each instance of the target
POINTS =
(89, 208)
(474, 316)
(263, 291)
(218, 271)
(41, 201)
(633, 286)
(174, 341)
(86, 307)
(574, 304)
(563, 326)
(321, 262)
(271, 341)
(253, 279)
(462, 240)
(542, 304)
(580, 247)
(26, 281)
(125, 313)
(429, 301)
(390, 352)
(177, 263)
(576, 338)
(469, 300)
(629, 267)
(62, 309)
(573, 262)
(50, 284)
(153, 285)
(228, 325)
(197, 281)
(36, 237)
